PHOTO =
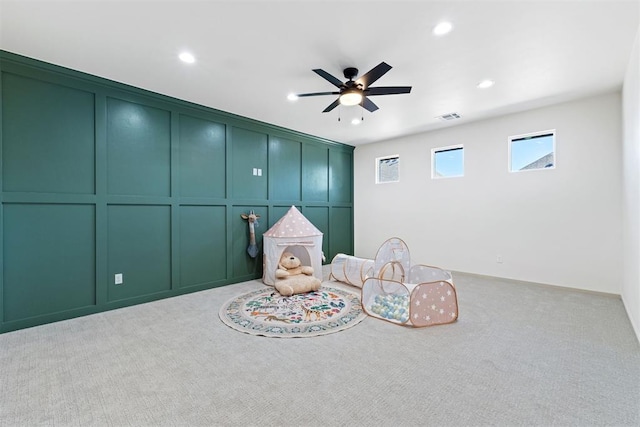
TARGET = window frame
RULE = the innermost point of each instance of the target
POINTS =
(436, 150)
(377, 166)
(531, 135)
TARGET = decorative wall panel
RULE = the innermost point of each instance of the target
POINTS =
(102, 179)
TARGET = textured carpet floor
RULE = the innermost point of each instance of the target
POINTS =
(520, 354)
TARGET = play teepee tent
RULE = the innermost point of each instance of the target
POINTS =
(296, 234)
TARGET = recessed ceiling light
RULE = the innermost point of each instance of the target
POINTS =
(485, 84)
(442, 28)
(292, 97)
(187, 57)
(356, 121)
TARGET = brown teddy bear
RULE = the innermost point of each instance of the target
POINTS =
(294, 278)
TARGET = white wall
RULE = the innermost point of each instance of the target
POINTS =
(631, 188)
(560, 226)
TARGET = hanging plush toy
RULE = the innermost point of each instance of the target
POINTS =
(252, 219)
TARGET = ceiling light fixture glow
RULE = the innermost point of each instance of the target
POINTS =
(485, 84)
(351, 97)
(292, 97)
(187, 57)
(442, 28)
(355, 121)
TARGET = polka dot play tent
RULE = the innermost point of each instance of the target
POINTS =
(296, 234)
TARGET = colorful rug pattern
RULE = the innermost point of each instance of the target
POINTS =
(267, 313)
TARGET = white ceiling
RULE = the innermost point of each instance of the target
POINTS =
(252, 54)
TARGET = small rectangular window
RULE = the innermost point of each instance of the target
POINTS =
(447, 162)
(388, 169)
(532, 151)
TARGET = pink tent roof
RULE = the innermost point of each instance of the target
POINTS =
(293, 224)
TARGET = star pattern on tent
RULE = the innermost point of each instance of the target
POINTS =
(293, 224)
(432, 303)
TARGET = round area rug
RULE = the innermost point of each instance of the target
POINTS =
(267, 313)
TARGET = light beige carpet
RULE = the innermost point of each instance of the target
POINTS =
(519, 354)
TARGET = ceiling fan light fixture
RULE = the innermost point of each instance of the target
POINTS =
(351, 97)
(357, 92)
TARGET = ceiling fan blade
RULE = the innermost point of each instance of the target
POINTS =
(387, 90)
(328, 77)
(333, 105)
(374, 74)
(369, 105)
(317, 94)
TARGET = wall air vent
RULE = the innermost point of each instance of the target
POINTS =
(449, 116)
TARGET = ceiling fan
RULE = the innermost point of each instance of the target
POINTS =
(356, 92)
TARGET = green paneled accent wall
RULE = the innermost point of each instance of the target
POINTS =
(315, 174)
(49, 259)
(100, 178)
(249, 152)
(340, 230)
(202, 158)
(203, 245)
(56, 152)
(138, 149)
(340, 166)
(139, 239)
(285, 169)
